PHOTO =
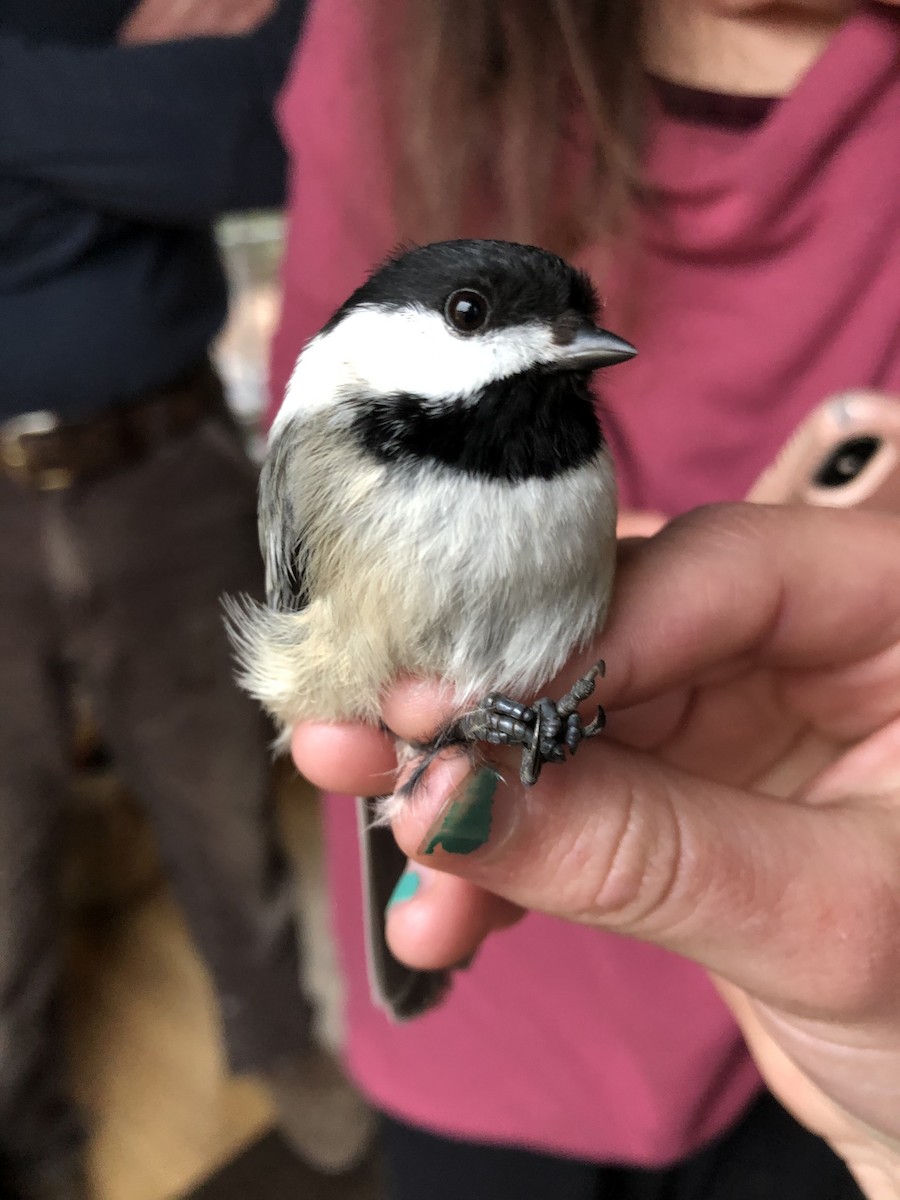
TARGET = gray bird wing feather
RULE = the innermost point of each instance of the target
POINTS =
(262, 633)
(400, 991)
(279, 533)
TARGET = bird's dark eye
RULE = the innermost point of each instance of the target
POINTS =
(466, 310)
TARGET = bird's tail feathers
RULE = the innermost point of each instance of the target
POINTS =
(261, 641)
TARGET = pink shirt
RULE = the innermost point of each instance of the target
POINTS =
(770, 278)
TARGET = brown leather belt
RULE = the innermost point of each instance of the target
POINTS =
(39, 450)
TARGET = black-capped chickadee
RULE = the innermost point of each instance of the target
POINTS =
(437, 500)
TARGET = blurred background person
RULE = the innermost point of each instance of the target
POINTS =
(127, 507)
(727, 172)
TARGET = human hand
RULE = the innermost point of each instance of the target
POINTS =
(173, 20)
(743, 810)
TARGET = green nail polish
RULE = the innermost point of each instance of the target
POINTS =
(465, 822)
(407, 886)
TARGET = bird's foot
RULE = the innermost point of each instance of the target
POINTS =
(545, 729)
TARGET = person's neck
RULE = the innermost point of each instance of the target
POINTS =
(742, 47)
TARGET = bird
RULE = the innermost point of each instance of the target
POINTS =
(438, 499)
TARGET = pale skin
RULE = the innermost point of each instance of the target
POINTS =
(743, 47)
(744, 809)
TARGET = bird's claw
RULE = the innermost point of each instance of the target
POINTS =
(545, 730)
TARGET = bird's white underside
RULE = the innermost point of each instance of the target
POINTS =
(486, 584)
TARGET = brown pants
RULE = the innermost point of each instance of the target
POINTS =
(119, 581)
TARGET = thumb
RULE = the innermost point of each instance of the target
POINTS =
(744, 884)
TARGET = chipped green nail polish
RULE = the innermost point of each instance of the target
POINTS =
(465, 822)
(407, 886)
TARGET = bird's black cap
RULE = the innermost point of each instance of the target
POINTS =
(522, 283)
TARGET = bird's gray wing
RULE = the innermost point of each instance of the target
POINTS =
(400, 991)
(280, 534)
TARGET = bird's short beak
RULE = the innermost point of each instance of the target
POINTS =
(592, 348)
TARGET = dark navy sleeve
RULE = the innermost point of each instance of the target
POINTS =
(172, 132)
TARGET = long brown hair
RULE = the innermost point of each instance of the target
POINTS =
(485, 97)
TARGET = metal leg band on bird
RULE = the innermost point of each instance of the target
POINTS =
(545, 730)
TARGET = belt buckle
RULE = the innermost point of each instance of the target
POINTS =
(15, 457)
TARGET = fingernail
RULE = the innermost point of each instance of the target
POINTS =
(464, 823)
(407, 886)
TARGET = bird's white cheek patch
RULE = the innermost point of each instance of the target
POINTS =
(409, 350)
